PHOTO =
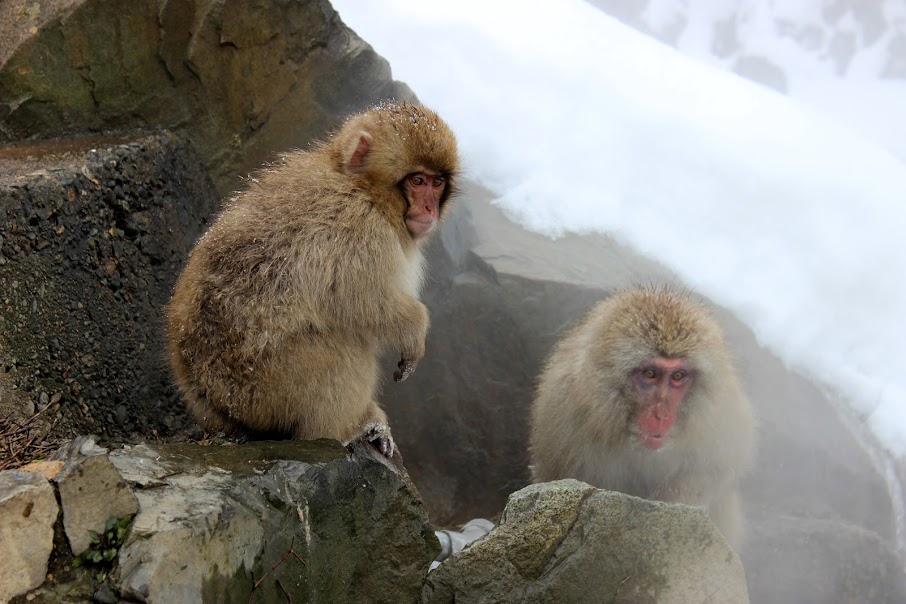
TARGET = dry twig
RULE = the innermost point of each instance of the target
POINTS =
(289, 552)
(24, 442)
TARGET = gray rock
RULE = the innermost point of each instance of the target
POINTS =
(28, 511)
(568, 542)
(271, 521)
(305, 519)
(91, 491)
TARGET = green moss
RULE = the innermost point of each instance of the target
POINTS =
(255, 457)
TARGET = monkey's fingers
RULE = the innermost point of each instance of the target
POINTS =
(406, 366)
(379, 436)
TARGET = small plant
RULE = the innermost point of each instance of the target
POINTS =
(105, 546)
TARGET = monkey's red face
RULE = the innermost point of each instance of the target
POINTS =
(661, 384)
(423, 191)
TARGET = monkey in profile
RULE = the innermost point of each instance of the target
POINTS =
(642, 397)
(276, 323)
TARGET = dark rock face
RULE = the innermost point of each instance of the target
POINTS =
(91, 246)
(462, 417)
(243, 79)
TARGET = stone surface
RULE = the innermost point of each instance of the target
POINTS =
(568, 542)
(28, 511)
(264, 522)
(93, 232)
(242, 79)
(309, 520)
(91, 492)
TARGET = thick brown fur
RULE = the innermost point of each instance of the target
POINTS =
(585, 404)
(277, 320)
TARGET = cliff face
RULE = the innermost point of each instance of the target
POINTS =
(242, 80)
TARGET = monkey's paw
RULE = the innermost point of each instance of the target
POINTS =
(378, 434)
(406, 366)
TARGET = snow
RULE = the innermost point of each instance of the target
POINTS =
(791, 216)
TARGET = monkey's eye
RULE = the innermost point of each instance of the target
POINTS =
(678, 376)
(417, 179)
(649, 373)
(439, 181)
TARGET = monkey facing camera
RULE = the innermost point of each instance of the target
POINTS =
(642, 398)
(277, 320)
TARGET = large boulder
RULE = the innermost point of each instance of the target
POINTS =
(566, 541)
(242, 79)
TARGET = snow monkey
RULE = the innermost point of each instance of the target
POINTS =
(276, 323)
(642, 398)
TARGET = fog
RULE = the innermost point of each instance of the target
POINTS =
(789, 210)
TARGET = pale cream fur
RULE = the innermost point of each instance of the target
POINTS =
(584, 406)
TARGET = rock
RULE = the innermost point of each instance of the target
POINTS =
(81, 318)
(566, 541)
(242, 81)
(91, 491)
(305, 519)
(277, 521)
(28, 511)
(48, 469)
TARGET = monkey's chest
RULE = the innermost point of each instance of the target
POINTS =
(642, 473)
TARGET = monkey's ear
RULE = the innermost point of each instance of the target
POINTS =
(356, 159)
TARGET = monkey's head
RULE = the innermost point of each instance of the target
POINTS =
(664, 348)
(405, 156)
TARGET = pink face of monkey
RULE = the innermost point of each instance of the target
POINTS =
(423, 191)
(661, 385)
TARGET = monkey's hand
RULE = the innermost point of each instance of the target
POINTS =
(378, 434)
(406, 366)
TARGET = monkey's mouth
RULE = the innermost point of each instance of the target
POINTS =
(653, 441)
(420, 227)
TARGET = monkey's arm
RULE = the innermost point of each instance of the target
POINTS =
(366, 289)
